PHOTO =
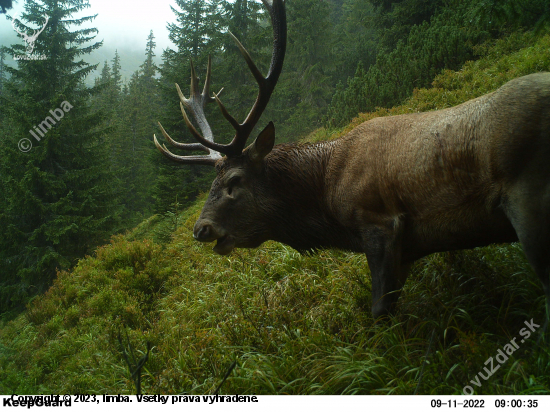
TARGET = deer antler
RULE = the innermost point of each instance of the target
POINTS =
(195, 104)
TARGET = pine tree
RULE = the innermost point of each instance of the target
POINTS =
(5, 5)
(498, 16)
(105, 77)
(115, 72)
(397, 17)
(106, 96)
(355, 39)
(309, 64)
(196, 30)
(2, 70)
(140, 113)
(106, 101)
(425, 50)
(132, 112)
(149, 68)
(58, 201)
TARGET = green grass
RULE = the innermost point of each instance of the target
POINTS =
(295, 324)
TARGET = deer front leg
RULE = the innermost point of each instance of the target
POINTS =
(383, 251)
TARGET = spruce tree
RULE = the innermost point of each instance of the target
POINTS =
(106, 100)
(58, 197)
(2, 70)
(149, 68)
(309, 65)
(5, 5)
(140, 114)
(116, 72)
(355, 39)
(423, 52)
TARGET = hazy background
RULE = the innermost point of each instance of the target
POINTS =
(123, 25)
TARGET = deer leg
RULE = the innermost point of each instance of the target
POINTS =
(383, 251)
(538, 256)
(528, 209)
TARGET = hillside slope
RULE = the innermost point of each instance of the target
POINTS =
(294, 324)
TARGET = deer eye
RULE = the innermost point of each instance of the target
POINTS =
(234, 181)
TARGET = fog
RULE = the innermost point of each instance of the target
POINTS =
(122, 25)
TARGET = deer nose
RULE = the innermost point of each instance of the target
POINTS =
(204, 231)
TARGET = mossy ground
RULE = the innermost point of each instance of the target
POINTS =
(295, 324)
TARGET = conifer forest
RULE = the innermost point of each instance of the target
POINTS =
(97, 257)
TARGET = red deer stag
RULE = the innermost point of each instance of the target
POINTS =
(395, 188)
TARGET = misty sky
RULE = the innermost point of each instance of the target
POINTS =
(122, 24)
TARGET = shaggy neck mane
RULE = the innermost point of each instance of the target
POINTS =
(300, 216)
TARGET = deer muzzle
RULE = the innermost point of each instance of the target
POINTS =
(205, 231)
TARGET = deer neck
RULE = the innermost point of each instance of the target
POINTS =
(301, 217)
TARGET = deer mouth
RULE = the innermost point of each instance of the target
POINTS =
(224, 245)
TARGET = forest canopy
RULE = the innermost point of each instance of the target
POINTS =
(97, 173)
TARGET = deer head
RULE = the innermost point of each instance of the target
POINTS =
(233, 201)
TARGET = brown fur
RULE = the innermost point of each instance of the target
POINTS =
(399, 188)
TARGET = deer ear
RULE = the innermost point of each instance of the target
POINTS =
(263, 144)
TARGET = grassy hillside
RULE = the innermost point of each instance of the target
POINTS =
(294, 324)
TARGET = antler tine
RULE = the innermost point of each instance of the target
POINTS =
(196, 102)
(226, 114)
(206, 90)
(276, 9)
(199, 160)
(194, 81)
(186, 146)
(255, 72)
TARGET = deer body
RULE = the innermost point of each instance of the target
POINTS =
(402, 187)
(395, 188)
(446, 175)
(459, 178)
